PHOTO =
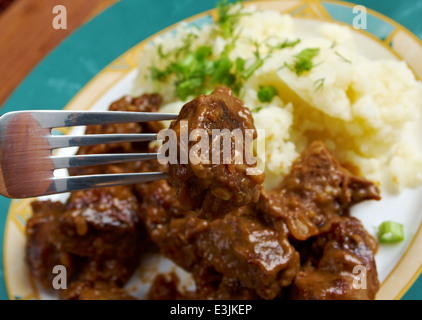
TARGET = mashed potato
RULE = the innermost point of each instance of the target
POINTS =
(367, 112)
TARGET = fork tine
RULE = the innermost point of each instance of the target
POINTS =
(27, 166)
(99, 159)
(60, 185)
(63, 118)
(56, 142)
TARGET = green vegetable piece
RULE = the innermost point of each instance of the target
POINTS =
(203, 52)
(208, 67)
(286, 44)
(187, 63)
(304, 60)
(246, 74)
(319, 84)
(161, 53)
(222, 70)
(266, 93)
(188, 87)
(158, 75)
(342, 57)
(390, 232)
(227, 21)
(240, 64)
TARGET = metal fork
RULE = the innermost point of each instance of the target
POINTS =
(26, 144)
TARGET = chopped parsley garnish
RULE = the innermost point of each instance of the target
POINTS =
(256, 109)
(198, 71)
(188, 87)
(342, 57)
(319, 84)
(240, 64)
(303, 61)
(266, 93)
(159, 75)
(285, 44)
(179, 51)
(246, 74)
(191, 71)
(227, 20)
(222, 70)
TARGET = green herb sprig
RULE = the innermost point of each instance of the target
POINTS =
(303, 61)
(266, 93)
(227, 17)
(200, 70)
(284, 44)
(319, 84)
(342, 57)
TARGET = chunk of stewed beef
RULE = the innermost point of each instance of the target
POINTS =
(216, 185)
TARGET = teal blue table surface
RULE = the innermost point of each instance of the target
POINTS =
(88, 50)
